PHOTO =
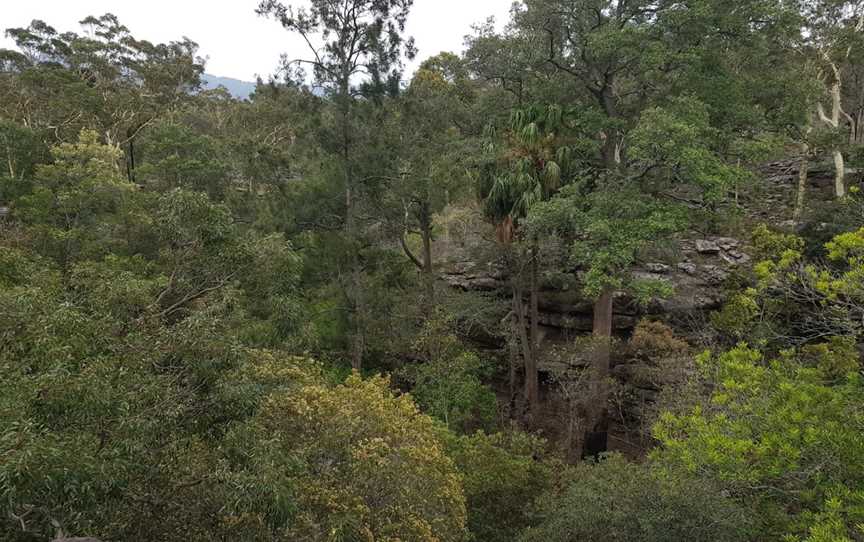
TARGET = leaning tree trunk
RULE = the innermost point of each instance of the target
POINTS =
(597, 434)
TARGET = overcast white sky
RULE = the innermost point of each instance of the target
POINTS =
(237, 42)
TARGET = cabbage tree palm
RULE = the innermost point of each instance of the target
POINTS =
(529, 170)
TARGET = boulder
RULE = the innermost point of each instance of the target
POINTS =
(687, 267)
(705, 246)
(657, 268)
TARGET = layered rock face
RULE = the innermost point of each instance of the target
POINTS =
(697, 281)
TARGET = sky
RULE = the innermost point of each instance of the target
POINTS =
(235, 41)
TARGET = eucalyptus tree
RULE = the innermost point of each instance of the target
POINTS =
(104, 79)
(835, 34)
(355, 51)
(607, 229)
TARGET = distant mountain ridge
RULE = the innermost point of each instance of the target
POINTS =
(239, 89)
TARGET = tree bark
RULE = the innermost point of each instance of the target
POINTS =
(513, 348)
(529, 362)
(603, 334)
(858, 131)
(359, 337)
(535, 294)
(803, 173)
(532, 383)
(355, 293)
(597, 434)
(428, 267)
(130, 161)
(834, 123)
(839, 174)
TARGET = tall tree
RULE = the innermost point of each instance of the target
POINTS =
(529, 171)
(356, 49)
(430, 130)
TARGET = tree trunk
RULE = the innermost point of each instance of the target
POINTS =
(355, 294)
(527, 353)
(535, 294)
(9, 161)
(358, 346)
(597, 434)
(428, 267)
(603, 334)
(834, 123)
(532, 383)
(355, 291)
(613, 143)
(803, 173)
(858, 132)
(839, 174)
(130, 161)
(513, 348)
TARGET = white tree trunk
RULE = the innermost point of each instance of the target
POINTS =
(834, 123)
(839, 175)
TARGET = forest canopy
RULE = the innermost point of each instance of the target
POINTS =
(598, 276)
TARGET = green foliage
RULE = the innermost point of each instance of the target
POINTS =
(794, 301)
(608, 228)
(21, 149)
(502, 475)
(367, 42)
(351, 462)
(105, 416)
(678, 139)
(783, 435)
(104, 79)
(768, 243)
(738, 315)
(534, 162)
(170, 260)
(654, 339)
(174, 156)
(77, 203)
(619, 500)
(448, 383)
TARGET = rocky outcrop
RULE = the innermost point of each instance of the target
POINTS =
(696, 279)
(474, 277)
